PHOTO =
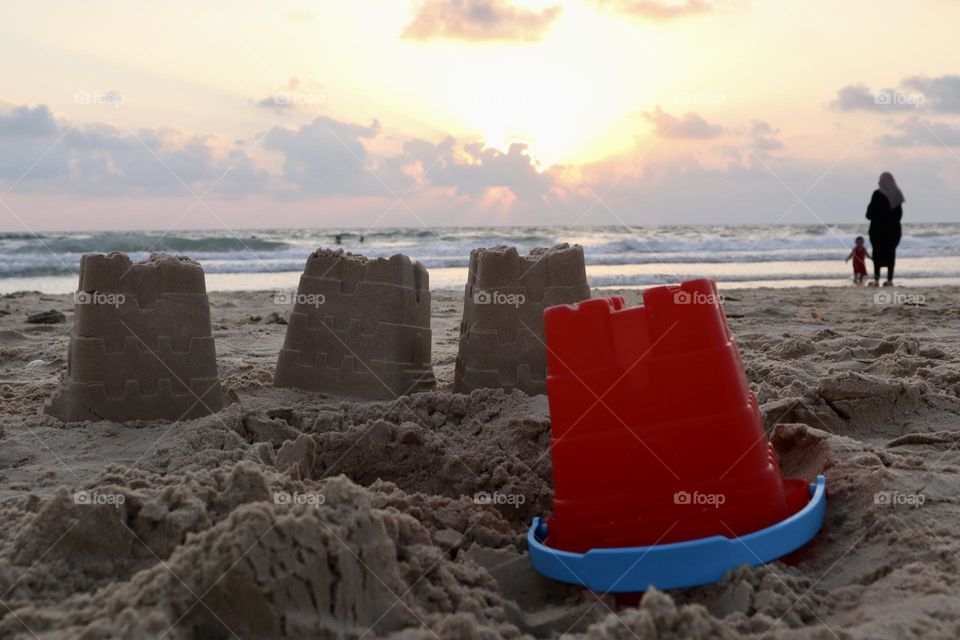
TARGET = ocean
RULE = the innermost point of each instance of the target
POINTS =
(735, 256)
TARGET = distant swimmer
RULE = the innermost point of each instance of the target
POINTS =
(338, 238)
(361, 238)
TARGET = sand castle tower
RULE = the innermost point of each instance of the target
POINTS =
(501, 335)
(142, 347)
(359, 328)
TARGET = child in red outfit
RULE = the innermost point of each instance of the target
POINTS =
(859, 255)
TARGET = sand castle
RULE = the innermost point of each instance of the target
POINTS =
(359, 328)
(501, 335)
(142, 348)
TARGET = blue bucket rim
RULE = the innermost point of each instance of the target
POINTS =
(677, 564)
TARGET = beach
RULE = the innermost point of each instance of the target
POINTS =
(290, 514)
(479, 320)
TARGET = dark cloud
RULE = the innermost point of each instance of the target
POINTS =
(854, 97)
(482, 168)
(916, 132)
(41, 154)
(919, 94)
(427, 153)
(657, 10)
(689, 126)
(942, 93)
(327, 157)
(939, 94)
(27, 122)
(479, 20)
(859, 97)
(331, 157)
(414, 166)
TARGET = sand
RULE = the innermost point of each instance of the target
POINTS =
(359, 328)
(141, 347)
(501, 335)
(291, 515)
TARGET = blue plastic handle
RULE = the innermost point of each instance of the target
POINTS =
(678, 564)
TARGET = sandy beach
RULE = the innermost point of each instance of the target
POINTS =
(303, 331)
(288, 514)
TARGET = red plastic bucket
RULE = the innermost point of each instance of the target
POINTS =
(656, 436)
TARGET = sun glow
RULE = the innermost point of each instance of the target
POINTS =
(569, 98)
(554, 116)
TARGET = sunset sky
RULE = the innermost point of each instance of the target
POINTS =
(375, 113)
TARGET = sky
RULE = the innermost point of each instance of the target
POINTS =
(383, 113)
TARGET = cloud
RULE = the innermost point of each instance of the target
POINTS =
(686, 189)
(323, 158)
(479, 168)
(763, 137)
(479, 20)
(858, 97)
(854, 97)
(689, 126)
(26, 122)
(321, 176)
(939, 94)
(916, 132)
(657, 10)
(40, 153)
(942, 93)
(327, 157)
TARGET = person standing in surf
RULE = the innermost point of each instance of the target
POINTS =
(884, 213)
(859, 255)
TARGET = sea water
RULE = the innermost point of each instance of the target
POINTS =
(635, 256)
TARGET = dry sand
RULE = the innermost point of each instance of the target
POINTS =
(188, 531)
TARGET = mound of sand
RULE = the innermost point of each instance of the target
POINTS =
(292, 515)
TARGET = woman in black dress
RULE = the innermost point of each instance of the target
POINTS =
(884, 213)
